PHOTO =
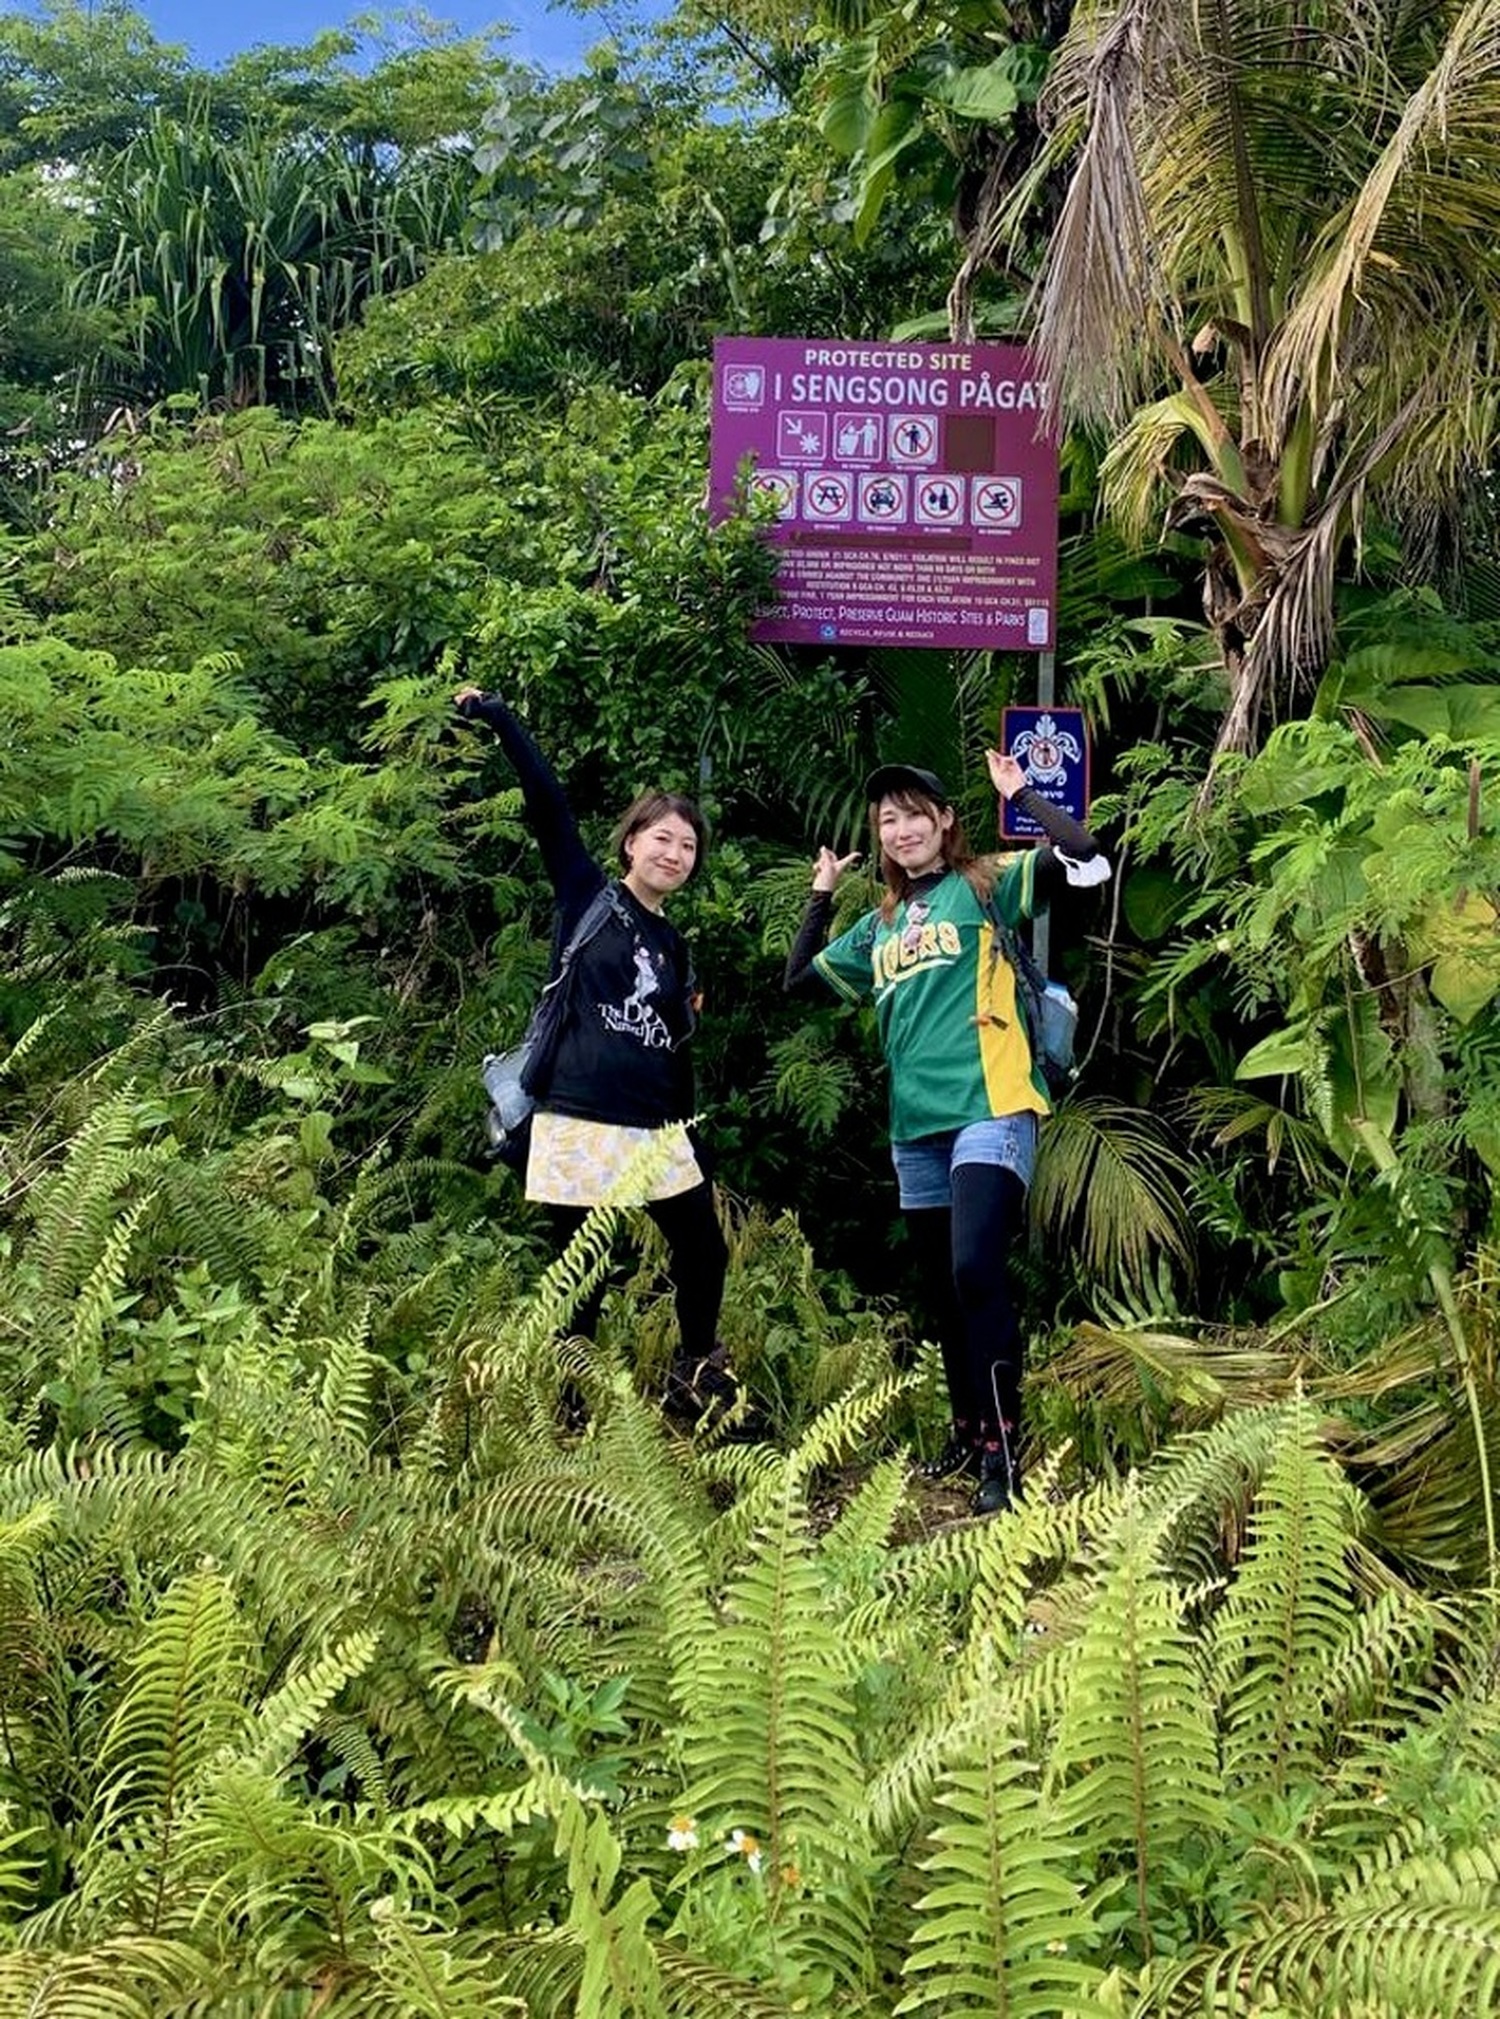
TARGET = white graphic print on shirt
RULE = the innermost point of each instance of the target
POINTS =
(635, 1017)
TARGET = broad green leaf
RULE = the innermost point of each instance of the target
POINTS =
(1464, 713)
(1368, 676)
(1285, 1051)
(853, 103)
(1463, 944)
(1485, 1143)
(898, 127)
(986, 92)
(1293, 773)
(1363, 1077)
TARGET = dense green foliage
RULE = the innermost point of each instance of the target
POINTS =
(369, 1647)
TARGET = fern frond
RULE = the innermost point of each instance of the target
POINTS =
(990, 1570)
(1134, 1765)
(181, 1704)
(854, 1547)
(650, 1474)
(1207, 1479)
(349, 1370)
(207, 1214)
(1441, 1960)
(297, 1876)
(74, 1210)
(126, 1977)
(691, 1989)
(101, 1296)
(1001, 1909)
(460, 1815)
(422, 1970)
(841, 1429)
(767, 1738)
(1288, 1613)
(284, 1720)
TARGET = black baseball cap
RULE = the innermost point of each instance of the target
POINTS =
(905, 778)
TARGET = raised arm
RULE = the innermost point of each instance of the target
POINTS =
(1074, 857)
(812, 934)
(572, 871)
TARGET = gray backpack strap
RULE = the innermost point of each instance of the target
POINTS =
(546, 1025)
(597, 913)
(1048, 1013)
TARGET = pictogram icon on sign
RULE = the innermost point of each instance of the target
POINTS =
(780, 486)
(801, 437)
(744, 387)
(829, 496)
(913, 438)
(857, 437)
(997, 502)
(882, 498)
(940, 502)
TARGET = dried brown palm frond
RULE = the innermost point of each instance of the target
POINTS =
(1200, 1373)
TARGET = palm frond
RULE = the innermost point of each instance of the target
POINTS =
(1109, 1184)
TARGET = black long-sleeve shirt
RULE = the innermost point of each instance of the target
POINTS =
(623, 1055)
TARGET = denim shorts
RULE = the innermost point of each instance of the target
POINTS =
(924, 1168)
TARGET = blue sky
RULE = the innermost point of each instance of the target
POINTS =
(554, 37)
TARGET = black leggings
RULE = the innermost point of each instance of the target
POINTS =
(963, 1253)
(696, 1261)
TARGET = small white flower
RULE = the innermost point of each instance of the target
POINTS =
(682, 1833)
(748, 1848)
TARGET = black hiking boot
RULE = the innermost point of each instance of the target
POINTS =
(999, 1477)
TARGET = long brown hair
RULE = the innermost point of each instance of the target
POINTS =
(957, 854)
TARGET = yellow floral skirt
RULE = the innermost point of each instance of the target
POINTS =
(578, 1163)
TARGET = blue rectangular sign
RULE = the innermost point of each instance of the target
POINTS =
(1051, 746)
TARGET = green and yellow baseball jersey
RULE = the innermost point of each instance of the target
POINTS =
(945, 1003)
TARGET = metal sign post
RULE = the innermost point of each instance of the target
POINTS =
(1046, 694)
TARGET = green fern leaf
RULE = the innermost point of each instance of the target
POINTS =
(1134, 1760)
(1288, 1614)
(1002, 1928)
(767, 1738)
(181, 1705)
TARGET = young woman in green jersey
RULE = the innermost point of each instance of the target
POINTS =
(966, 1096)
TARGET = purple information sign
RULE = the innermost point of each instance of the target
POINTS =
(914, 488)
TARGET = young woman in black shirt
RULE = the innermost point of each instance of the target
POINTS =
(623, 1067)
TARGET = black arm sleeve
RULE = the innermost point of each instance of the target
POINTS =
(1069, 835)
(812, 935)
(575, 876)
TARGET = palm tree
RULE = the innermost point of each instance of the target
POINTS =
(1283, 212)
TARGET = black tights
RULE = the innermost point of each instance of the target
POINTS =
(963, 1252)
(696, 1261)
